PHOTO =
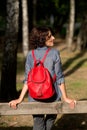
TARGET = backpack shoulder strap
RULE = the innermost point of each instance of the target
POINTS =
(33, 55)
(43, 57)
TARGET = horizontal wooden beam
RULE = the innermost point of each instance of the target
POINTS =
(26, 108)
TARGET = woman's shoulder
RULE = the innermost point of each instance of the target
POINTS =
(29, 54)
(54, 51)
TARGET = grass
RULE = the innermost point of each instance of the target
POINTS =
(20, 64)
(75, 71)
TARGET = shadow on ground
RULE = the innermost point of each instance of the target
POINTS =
(15, 128)
(71, 122)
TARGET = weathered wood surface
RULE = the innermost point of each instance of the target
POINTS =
(26, 108)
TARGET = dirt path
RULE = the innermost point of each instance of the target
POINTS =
(63, 122)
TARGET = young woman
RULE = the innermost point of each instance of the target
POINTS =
(42, 39)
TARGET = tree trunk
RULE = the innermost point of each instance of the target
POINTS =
(82, 36)
(25, 31)
(70, 30)
(9, 63)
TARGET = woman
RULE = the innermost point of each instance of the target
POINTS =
(42, 39)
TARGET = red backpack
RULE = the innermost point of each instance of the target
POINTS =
(40, 82)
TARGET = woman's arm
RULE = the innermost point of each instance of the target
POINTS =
(14, 103)
(72, 102)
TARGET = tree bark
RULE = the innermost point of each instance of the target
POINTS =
(70, 30)
(9, 63)
(82, 36)
(25, 30)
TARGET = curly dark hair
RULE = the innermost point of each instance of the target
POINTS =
(38, 36)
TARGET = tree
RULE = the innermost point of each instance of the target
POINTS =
(25, 31)
(9, 63)
(70, 30)
(82, 36)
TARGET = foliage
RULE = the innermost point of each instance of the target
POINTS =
(44, 9)
(2, 7)
(59, 10)
(81, 9)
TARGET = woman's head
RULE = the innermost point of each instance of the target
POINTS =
(41, 36)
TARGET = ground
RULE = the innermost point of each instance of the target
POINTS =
(74, 72)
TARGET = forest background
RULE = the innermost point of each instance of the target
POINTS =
(68, 19)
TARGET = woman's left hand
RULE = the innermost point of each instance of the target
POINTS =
(72, 102)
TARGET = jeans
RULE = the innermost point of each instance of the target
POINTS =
(43, 122)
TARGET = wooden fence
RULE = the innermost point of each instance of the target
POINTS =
(26, 108)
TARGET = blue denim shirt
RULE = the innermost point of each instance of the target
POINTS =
(52, 63)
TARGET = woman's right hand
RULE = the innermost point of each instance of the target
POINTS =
(14, 103)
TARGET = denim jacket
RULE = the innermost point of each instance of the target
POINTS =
(52, 63)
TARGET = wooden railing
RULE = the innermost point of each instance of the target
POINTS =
(26, 108)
